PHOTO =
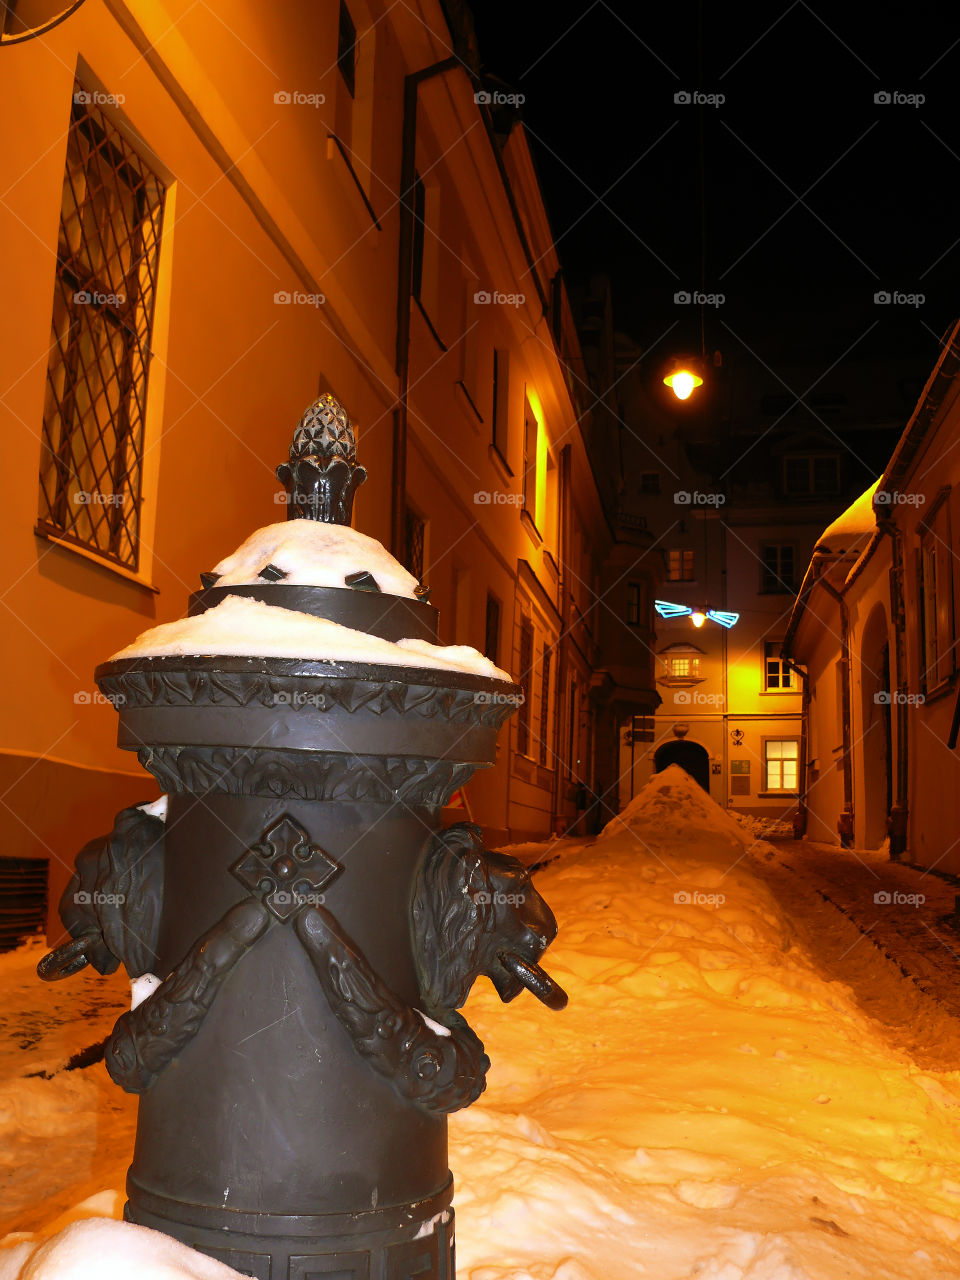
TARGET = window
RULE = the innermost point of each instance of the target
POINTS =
(501, 400)
(649, 481)
(347, 49)
(545, 705)
(680, 665)
(936, 593)
(530, 434)
(414, 537)
(573, 753)
(635, 604)
(780, 762)
(96, 391)
(683, 666)
(778, 675)
(523, 678)
(679, 565)
(811, 475)
(777, 568)
(491, 642)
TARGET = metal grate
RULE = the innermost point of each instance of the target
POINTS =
(413, 537)
(23, 899)
(93, 420)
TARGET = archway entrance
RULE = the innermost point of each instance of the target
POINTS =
(688, 755)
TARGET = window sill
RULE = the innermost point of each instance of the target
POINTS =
(779, 693)
(128, 575)
(942, 690)
(473, 414)
(778, 795)
(336, 147)
(429, 323)
(500, 463)
(527, 521)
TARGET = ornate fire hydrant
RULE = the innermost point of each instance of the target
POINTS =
(314, 930)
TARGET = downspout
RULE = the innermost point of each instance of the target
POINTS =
(899, 811)
(845, 821)
(408, 169)
(559, 805)
(800, 822)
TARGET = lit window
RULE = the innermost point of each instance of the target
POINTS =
(530, 433)
(777, 567)
(91, 461)
(778, 675)
(684, 666)
(780, 761)
(679, 565)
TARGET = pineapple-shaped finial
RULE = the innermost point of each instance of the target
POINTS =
(325, 431)
(322, 476)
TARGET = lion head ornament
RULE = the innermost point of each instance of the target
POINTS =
(476, 912)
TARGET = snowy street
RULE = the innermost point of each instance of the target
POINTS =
(710, 1105)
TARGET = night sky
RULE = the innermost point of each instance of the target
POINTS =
(816, 197)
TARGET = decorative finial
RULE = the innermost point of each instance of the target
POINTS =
(322, 474)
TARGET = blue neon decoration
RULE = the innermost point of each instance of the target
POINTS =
(668, 610)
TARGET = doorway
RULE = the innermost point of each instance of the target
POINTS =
(688, 755)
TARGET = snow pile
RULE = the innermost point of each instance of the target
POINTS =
(707, 1107)
(101, 1249)
(241, 626)
(763, 828)
(312, 553)
(673, 811)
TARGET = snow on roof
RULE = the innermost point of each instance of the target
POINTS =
(241, 626)
(851, 530)
(312, 553)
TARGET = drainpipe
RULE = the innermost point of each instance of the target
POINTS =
(408, 168)
(897, 820)
(800, 821)
(845, 821)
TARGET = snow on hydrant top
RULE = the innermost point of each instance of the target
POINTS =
(314, 554)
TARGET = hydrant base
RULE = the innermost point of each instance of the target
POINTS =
(383, 1244)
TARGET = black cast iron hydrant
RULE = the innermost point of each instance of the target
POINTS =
(314, 930)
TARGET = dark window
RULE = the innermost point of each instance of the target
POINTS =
(491, 644)
(777, 567)
(413, 543)
(649, 481)
(91, 457)
(679, 565)
(936, 600)
(523, 678)
(545, 705)
(634, 603)
(347, 48)
(501, 394)
(419, 214)
(811, 475)
(778, 675)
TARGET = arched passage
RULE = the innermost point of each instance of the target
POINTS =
(688, 755)
(876, 695)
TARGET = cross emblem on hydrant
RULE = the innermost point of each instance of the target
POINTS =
(285, 871)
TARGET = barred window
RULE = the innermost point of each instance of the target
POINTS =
(414, 532)
(93, 419)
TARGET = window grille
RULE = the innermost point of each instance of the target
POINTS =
(91, 463)
(414, 537)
